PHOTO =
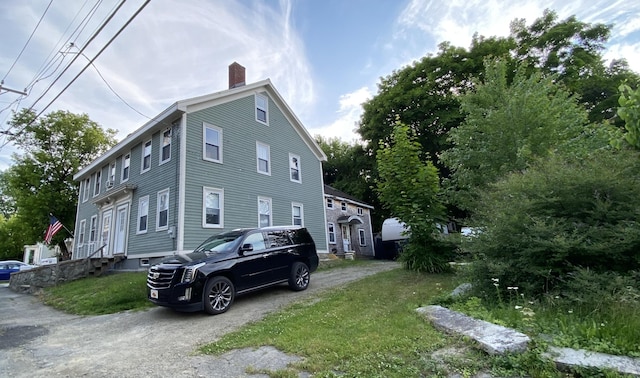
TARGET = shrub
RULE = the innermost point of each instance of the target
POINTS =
(540, 225)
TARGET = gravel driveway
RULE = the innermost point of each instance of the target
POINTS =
(37, 341)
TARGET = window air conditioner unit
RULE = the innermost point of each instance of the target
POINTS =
(109, 184)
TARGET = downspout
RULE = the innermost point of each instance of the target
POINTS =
(182, 183)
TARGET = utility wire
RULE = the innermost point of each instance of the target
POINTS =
(76, 57)
(27, 43)
(84, 69)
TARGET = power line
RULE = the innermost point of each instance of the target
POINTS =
(82, 71)
(27, 43)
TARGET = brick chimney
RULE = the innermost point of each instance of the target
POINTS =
(236, 75)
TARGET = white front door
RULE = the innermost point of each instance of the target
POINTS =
(346, 238)
(105, 235)
(120, 241)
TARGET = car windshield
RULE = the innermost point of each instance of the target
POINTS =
(220, 243)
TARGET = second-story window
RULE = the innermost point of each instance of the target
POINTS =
(264, 158)
(360, 211)
(294, 168)
(126, 164)
(112, 175)
(146, 156)
(344, 206)
(165, 153)
(86, 190)
(329, 203)
(96, 183)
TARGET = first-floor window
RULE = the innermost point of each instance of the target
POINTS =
(361, 237)
(296, 214)
(143, 214)
(162, 219)
(264, 212)
(83, 224)
(93, 236)
(332, 233)
(213, 200)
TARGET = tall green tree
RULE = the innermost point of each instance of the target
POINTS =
(40, 181)
(629, 112)
(426, 94)
(508, 125)
(408, 186)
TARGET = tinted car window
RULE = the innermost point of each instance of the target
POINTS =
(301, 236)
(278, 238)
(220, 243)
(256, 240)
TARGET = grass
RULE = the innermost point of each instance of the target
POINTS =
(370, 328)
(100, 295)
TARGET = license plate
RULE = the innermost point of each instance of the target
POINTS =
(154, 294)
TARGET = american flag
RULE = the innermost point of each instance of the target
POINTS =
(54, 226)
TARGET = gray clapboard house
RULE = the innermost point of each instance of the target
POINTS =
(231, 159)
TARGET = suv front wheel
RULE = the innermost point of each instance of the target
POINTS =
(299, 277)
(219, 294)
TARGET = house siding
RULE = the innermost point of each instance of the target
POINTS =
(238, 175)
(233, 113)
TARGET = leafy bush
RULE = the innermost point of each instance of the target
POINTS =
(541, 225)
(428, 253)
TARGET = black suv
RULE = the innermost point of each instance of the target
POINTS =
(233, 263)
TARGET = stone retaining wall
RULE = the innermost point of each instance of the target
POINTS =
(30, 281)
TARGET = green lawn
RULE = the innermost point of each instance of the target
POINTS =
(370, 328)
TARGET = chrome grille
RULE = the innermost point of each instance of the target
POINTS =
(159, 277)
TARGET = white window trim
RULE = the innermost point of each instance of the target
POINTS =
(205, 191)
(86, 189)
(142, 170)
(162, 146)
(82, 236)
(258, 144)
(206, 126)
(360, 211)
(160, 194)
(138, 231)
(329, 233)
(329, 203)
(301, 206)
(270, 210)
(266, 110)
(291, 156)
(344, 206)
(96, 183)
(124, 159)
(362, 236)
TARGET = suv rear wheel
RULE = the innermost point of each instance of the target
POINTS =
(299, 277)
(219, 294)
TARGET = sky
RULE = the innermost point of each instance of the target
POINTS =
(325, 57)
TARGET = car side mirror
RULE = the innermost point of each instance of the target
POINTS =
(246, 248)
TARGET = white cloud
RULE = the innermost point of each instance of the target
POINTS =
(348, 116)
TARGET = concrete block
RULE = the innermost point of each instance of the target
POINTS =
(492, 338)
(566, 358)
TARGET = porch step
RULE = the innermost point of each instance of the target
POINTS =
(99, 266)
